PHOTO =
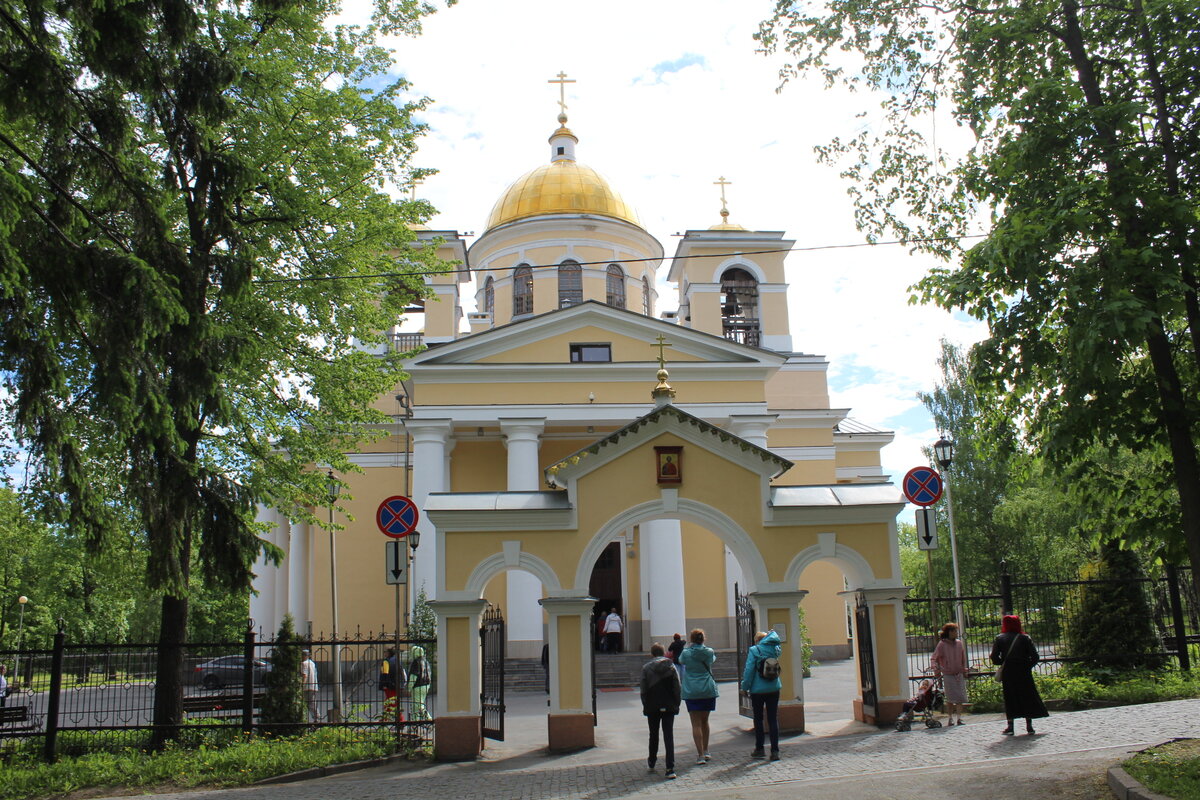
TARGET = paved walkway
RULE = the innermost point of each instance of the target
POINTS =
(811, 766)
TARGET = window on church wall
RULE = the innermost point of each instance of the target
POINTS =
(614, 294)
(591, 353)
(489, 296)
(646, 296)
(522, 290)
(739, 307)
(570, 284)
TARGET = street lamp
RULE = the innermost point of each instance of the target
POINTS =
(21, 601)
(332, 489)
(943, 451)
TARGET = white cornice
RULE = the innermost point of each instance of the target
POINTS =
(631, 372)
(814, 453)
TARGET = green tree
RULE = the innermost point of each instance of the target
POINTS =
(197, 258)
(1110, 624)
(283, 703)
(1086, 135)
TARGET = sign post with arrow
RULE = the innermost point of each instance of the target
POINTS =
(923, 487)
(396, 562)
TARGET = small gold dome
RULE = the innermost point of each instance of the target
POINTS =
(561, 187)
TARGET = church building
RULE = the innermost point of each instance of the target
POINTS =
(579, 443)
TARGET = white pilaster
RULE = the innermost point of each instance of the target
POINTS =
(793, 644)
(662, 575)
(524, 617)
(299, 570)
(430, 438)
(262, 599)
(581, 610)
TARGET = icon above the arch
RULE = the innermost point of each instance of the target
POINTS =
(669, 464)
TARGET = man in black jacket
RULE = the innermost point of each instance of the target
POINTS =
(660, 703)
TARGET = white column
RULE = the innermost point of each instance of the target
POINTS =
(752, 427)
(662, 577)
(266, 579)
(282, 536)
(429, 437)
(299, 568)
(523, 615)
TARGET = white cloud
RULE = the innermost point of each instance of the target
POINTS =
(669, 96)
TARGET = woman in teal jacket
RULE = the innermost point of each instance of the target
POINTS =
(699, 689)
(764, 691)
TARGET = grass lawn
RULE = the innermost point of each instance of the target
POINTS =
(1172, 769)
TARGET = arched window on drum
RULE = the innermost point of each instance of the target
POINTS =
(739, 307)
(614, 289)
(570, 284)
(646, 309)
(489, 296)
(522, 290)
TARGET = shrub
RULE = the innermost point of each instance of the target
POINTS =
(283, 705)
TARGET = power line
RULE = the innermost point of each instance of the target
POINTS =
(606, 262)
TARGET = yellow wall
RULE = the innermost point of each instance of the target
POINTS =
(611, 392)
(801, 437)
(570, 690)
(460, 638)
(808, 473)
(798, 389)
(479, 466)
(858, 458)
(824, 611)
(557, 350)
(887, 651)
(774, 313)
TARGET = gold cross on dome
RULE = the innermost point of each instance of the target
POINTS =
(722, 183)
(562, 80)
(662, 342)
(412, 188)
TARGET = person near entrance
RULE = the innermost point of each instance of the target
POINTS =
(673, 651)
(761, 679)
(391, 680)
(612, 631)
(949, 663)
(419, 678)
(699, 689)
(660, 691)
(308, 683)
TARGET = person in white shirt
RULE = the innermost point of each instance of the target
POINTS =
(3, 684)
(612, 631)
(308, 681)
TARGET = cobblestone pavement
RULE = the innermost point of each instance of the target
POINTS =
(812, 760)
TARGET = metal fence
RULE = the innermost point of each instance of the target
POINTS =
(1047, 609)
(78, 697)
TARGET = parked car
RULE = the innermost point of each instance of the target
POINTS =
(227, 671)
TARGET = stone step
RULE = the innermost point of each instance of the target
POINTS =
(613, 670)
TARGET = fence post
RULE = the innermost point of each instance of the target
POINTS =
(52, 702)
(248, 680)
(1006, 596)
(1181, 642)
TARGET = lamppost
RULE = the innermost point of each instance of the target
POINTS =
(21, 601)
(333, 490)
(943, 450)
(414, 539)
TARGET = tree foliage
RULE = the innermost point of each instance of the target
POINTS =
(197, 258)
(1087, 145)
(1111, 624)
(283, 703)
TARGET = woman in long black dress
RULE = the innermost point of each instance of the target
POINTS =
(1017, 654)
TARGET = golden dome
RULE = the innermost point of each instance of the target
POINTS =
(561, 187)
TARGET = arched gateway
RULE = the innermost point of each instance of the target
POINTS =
(719, 481)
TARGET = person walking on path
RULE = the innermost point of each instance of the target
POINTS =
(673, 651)
(1016, 654)
(419, 678)
(391, 680)
(699, 689)
(949, 663)
(660, 691)
(761, 679)
(612, 631)
(308, 684)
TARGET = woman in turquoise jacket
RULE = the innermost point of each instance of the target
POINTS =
(699, 689)
(764, 688)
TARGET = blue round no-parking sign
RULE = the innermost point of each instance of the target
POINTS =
(397, 516)
(922, 486)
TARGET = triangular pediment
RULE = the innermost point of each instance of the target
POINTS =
(546, 339)
(665, 419)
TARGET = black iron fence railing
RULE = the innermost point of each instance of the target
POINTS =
(79, 697)
(1047, 609)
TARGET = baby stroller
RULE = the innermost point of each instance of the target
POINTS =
(929, 698)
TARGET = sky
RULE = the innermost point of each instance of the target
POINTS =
(669, 97)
